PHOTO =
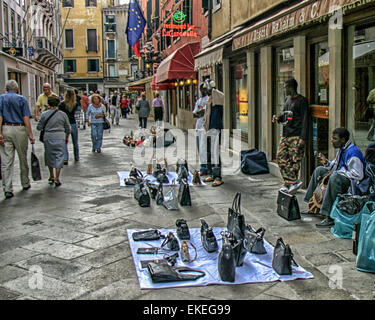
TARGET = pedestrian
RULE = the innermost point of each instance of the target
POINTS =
(198, 112)
(143, 108)
(55, 124)
(62, 97)
(15, 131)
(130, 104)
(105, 103)
(158, 106)
(42, 102)
(70, 107)
(115, 108)
(84, 107)
(124, 103)
(95, 115)
(295, 118)
(348, 165)
(90, 95)
(213, 124)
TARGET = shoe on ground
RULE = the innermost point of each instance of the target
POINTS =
(66, 163)
(284, 189)
(208, 179)
(217, 183)
(99, 151)
(325, 223)
(9, 195)
(294, 187)
(26, 188)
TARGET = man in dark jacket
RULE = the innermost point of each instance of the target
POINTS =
(295, 118)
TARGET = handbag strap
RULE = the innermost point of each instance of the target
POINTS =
(49, 118)
(182, 276)
(236, 205)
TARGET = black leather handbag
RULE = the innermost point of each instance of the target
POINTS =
(182, 171)
(287, 206)
(208, 238)
(159, 195)
(184, 198)
(282, 258)
(163, 272)
(226, 263)
(254, 240)
(236, 225)
(145, 235)
(141, 194)
(183, 232)
(171, 242)
(153, 189)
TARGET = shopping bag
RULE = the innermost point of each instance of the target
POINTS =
(35, 166)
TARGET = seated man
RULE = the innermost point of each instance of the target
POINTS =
(348, 165)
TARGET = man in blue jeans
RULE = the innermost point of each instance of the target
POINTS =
(348, 165)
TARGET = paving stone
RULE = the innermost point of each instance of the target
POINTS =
(106, 240)
(15, 255)
(8, 273)
(103, 217)
(54, 267)
(58, 249)
(7, 294)
(63, 235)
(15, 242)
(51, 289)
(324, 259)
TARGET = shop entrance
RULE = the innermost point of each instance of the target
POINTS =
(318, 94)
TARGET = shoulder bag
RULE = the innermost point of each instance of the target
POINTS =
(184, 198)
(41, 135)
(287, 206)
(282, 258)
(315, 202)
(226, 263)
(254, 240)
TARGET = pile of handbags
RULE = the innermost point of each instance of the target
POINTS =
(165, 269)
(240, 239)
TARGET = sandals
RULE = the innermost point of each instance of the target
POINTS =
(217, 183)
(58, 183)
(51, 181)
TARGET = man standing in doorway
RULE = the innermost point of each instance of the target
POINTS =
(295, 119)
(15, 130)
(42, 102)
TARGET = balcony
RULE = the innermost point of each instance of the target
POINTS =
(46, 53)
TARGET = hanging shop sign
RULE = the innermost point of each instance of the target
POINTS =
(14, 52)
(179, 28)
(316, 11)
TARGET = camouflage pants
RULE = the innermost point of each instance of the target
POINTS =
(289, 158)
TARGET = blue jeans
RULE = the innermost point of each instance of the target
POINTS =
(74, 135)
(96, 135)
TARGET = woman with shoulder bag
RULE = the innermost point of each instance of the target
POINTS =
(95, 116)
(56, 126)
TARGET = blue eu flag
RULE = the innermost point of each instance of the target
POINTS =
(136, 23)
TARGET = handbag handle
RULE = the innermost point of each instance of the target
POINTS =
(236, 205)
(181, 275)
(280, 240)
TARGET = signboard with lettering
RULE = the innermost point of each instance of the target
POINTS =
(314, 11)
(179, 28)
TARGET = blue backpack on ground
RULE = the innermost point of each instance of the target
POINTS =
(366, 242)
(254, 162)
(344, 222)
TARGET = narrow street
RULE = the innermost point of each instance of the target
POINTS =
(76, 234)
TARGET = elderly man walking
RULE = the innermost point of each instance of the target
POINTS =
(143, 108)
(15, 130)
(42, 102)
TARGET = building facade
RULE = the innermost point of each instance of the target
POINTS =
(327, 46)
(30, 52)
(82, 39)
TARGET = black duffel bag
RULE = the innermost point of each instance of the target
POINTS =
(254, 162)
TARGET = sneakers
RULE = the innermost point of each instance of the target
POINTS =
(327, 222)
(284, 189)
(9, 195)
(293, 188)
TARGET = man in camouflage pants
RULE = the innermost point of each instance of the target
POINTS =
(295, 118)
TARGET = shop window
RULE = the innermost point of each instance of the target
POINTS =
(320, 74)
(284, 70)
(69, 66)
(240, 94)
(361, 84)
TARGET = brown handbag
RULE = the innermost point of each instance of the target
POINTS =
(316, 201)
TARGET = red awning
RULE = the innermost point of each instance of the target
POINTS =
(161, 86)
(179, 64)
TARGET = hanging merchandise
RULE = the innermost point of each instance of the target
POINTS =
(185, 254)
(254, 240)
(226, 263)
(183, 232)
(282, 258)
(287, 206)
(184, 198)
(163, 272)
(236, 226)
(208, 238)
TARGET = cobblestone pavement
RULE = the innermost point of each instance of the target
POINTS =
(76, 234)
